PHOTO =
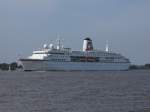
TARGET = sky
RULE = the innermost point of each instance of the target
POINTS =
(25, 25)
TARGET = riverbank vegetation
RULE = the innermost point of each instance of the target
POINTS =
(146, 66)
(11, 66)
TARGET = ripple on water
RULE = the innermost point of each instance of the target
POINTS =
(112, 91)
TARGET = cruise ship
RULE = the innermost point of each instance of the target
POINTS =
(57, 57)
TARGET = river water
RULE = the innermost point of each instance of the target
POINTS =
(104, 91)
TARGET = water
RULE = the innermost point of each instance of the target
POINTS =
(105, 91)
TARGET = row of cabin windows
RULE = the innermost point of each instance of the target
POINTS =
(76, 60)
(66, 56)
(100, 61)
(62, 60)
(93, 54)
(111, 58)
(59, 56)
(107, 58)
(93, 57)
(84, 59)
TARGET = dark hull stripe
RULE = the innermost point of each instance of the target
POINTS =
(32, 60)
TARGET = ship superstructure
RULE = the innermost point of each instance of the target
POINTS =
(60, 58)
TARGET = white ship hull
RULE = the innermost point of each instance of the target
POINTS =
(72, 66)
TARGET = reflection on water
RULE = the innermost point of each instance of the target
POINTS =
(112, 91)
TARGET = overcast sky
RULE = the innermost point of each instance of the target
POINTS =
(25, 25)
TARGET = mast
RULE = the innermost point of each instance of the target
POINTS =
(59, 42)
(107, 47)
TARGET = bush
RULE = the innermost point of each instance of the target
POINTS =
(147, 66)
(133, 67)
(13, 66)
(4, 66)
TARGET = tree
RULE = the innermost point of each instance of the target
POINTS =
(4, 66)
(133, 67)
(147, 66)
(13, 66)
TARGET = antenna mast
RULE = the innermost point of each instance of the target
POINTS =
(107, 47)
(59, 42)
